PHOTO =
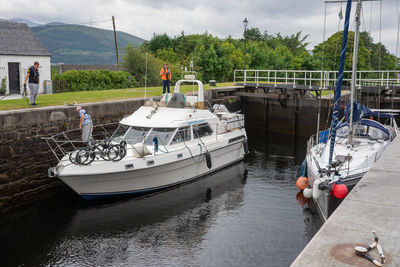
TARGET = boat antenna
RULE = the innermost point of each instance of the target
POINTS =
(335, 114)
(398, 29)
(323, 39)
(323, 73)
(380, 34)
(145, 79)
(354, 68)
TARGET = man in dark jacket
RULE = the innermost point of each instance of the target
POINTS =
(33, 83)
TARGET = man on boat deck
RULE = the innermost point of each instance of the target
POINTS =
(165, 73)
(85, 122)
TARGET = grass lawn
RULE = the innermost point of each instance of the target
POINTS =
(325, 92)
(95, 96)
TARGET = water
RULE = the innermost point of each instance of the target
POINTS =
(244, 215)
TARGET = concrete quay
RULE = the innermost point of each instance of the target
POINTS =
(373, 204)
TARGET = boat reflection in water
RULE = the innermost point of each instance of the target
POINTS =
(107, 233)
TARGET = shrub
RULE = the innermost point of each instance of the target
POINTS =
(89, 80)
(3, 85)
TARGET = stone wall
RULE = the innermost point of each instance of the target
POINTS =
(25, 157)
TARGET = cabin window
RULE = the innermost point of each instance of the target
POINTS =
(342, 132)
(163, 135)
(375, 133)
(136, 134)
(183, 134)
(120, 132)
(202, 130)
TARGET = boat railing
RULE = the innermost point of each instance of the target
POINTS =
(315, 139)
(237, 123)
(65, 142)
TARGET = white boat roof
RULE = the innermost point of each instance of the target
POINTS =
(166, 117)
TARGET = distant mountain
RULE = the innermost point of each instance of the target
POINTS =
(29, 22)
(77, 44)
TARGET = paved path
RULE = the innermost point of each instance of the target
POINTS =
(13, 96)
(373, 204)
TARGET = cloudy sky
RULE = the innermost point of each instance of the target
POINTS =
(219, 17)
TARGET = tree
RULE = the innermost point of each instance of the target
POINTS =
(134, 61)
(380, 57)
(328, 52)
(253, 34)
(159, 42)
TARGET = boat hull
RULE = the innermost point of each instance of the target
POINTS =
(328, 203)
(153, 178)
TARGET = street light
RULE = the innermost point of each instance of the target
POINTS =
(245, 22)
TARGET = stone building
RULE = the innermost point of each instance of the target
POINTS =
(19, 48)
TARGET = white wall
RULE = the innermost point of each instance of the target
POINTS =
(25, 62)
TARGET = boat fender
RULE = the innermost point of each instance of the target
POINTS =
(155, 141)
(316, 192)
(304, 169)
(245, 146)
(302, 183)
(340, 190)
(307, 192)
(208, 160)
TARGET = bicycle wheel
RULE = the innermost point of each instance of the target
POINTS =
(121, 151)
(85, 156)
(72, 156)
(112, 152)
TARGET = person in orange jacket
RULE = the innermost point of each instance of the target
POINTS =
(165, 73)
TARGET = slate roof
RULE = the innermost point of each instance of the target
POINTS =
(17, 39)
(67, 67)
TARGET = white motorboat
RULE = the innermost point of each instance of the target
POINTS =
(338, 158)
(163, 143)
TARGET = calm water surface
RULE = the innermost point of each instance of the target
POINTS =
(244, 215)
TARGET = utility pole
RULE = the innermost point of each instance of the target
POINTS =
(245, 22)
(115, 40)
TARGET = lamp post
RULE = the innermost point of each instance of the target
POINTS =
(245, 22)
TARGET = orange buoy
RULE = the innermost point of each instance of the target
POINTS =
(301, 199)
(302, 183)
(340, 190)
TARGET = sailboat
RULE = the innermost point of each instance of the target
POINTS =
(337, 158)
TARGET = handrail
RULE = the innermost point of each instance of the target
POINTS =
(322, 79)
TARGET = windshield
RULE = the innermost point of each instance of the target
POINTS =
(120, 132)
(136, 134)
(163, 135)
(361, 130)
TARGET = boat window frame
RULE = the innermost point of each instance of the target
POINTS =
(167, 142)
(176, 132)
(199, 125)
(144, 136)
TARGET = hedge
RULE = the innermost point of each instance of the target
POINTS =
(90, 80)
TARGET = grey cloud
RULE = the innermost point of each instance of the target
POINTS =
(220, 17)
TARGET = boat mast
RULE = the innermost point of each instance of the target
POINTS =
(353, 95)
(335, 113)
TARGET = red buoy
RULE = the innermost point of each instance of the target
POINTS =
(302, 183)
(340, 189)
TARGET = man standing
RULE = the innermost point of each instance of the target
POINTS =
(165, 73)
(85, 122)
(33, 83)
